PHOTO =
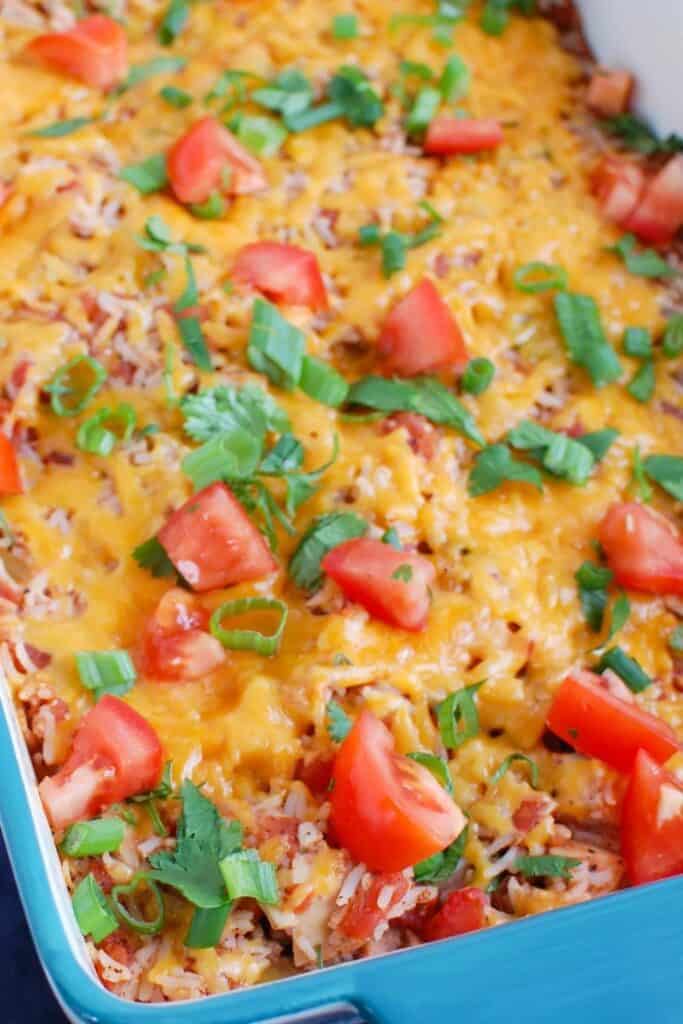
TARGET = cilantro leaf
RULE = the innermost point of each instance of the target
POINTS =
(225, 408)
(546, 866)
(147, 176)
(352, 91)
(599, 442)
(324, 533)
(636, 134)
(203, 839)
(559, 454)
(338, 722)
(494, 465)
(667, 471)
(440, 866)
(593, 581)
(152, 556)
(289, 93)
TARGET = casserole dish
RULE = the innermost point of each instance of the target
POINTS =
(428, 742)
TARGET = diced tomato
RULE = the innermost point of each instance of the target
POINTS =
(176, 643)
(659, 214)
(598, 724)
(115, 754)
(208, 159)
(609, 92)
(618, 184)
(393, 585)
(652, 823)
(213, 543)
(388, 811)
(447, 136)
(94, 51)
(464, 911)
(284, 273)
(369, 907)
(420, 335)
(10, 477)
(642, 549)
(316, 774)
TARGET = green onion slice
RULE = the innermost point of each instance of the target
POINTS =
(106, 672)
(92, 911)
(96, 435)
(321, 382)
(93, 838)
(672, 340)
(79, 381)
(249, 639)
(437, 766)
(207, 926)
(457, 717)
(245, 874)
(536, 277)
(142, 925)
(478, 376)
(276, 347)
(627, 668)
(507, 764)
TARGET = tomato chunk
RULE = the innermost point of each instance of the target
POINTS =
(618, 185)
(447, 136)
(659, 214)
(208, 159)
(420, 335)
(464, 911)
(652, 823)
(10, 477)
(284, 273)
(642, 549)
(598, 724)
(392, 585)
(370, 907)
(213, 543)
(95, 51)
(176, 643)
(609, 92)
(388, 811)
(115, 754)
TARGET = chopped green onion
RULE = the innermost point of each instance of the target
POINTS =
(233, 455)
(477, 376)
(141, 925)
(174, 21)
(437, 766)
(641, 262)
(546, 866)
(537, 277)
(313, 116)
(587, 344)
(507, 764)
(106, 672)
(175, 97)
(667, 471)
(262, 135)
(639, 482)
(276, 347)
(620, 613)
(192, 337)
(455, 78)
(593, 581)
(93, 436)
(638, 343)
(207, 926)
(672, 340)
(339, 724)
(561, 455)
(495, 17)
(324, 533)
(246, 875)
(212, 209)
(626, 668)
(675, 640)
(424, 109)
(148, 176)
(345, 26)
(290, 93)
(69, 382)
(91, 909)
(440, 866)
(370, 234)
(58, 129)
(457, 717)
(321, 382)
(93, 838)
(642, 386)
(393, 253)
(249, 639)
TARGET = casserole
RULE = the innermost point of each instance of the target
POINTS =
(248, 748)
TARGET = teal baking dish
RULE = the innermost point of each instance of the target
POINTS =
(615, 959)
